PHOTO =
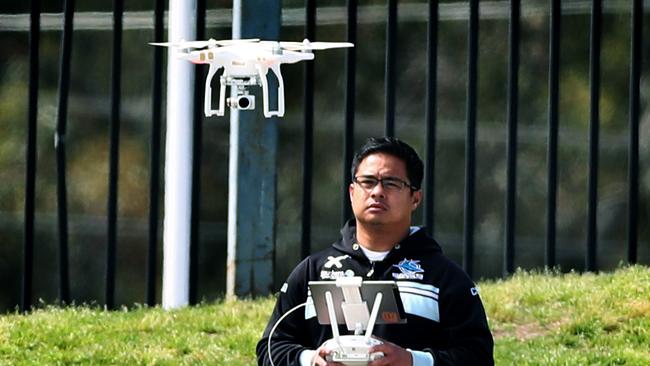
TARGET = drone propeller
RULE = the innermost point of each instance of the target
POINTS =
(201, 44)
(306, 45)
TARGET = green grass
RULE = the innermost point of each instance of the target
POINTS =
(537, 319)
(223, 333)
(572, 319)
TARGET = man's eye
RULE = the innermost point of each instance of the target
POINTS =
(392, 184)
(368, 182)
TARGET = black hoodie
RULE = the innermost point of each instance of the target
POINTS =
(445, 315)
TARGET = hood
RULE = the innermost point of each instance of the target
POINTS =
(415, 242)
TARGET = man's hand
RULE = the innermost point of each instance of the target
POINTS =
(321, 358)
(394, 355)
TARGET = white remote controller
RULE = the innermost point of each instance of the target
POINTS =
(352, 350)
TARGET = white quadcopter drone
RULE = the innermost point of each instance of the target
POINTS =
(246, 63)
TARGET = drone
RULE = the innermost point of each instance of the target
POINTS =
(246, 63)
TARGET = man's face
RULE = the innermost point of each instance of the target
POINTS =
(381, 205)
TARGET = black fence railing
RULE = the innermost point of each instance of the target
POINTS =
(390, 77)
(511, 153)
(196, 162)
(114, 153)
(551, 155)
(308, 144)
(60, 140)
(470, 139)
(30, 179)
(154, 153)
(633, 154)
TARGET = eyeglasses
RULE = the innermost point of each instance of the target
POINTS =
(392, 184)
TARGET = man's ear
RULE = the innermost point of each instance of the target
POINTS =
(416, 198)
(351, 190)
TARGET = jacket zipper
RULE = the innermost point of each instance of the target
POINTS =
(372, 270)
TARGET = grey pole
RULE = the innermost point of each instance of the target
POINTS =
(178, 160)
(252, 171)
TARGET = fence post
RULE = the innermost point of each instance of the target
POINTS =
(252, 171)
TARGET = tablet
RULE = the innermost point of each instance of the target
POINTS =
(391, 310)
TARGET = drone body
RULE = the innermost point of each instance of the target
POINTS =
(246, 63)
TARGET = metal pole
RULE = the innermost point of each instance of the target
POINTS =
(252, 185)
(178, 159)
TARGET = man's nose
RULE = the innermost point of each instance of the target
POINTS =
(378, 190)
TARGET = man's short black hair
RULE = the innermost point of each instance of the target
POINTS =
(396, 148)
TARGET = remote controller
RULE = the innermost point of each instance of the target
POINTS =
(352, 350)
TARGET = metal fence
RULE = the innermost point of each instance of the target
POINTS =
(470, 10)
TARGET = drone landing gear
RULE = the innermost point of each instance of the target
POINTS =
(265, 91)
(242, 99)
(207, 102)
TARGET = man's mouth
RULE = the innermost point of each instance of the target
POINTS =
(377, 206)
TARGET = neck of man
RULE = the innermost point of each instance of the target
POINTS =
(379, 237)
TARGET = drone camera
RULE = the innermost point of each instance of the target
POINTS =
(243, 102)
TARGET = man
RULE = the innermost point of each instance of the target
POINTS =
(446, 322)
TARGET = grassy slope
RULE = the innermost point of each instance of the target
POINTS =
(571, 319)
(537, 319)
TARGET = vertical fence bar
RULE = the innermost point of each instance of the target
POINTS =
(30, 175)
(594, 122)
(430, 115)
(391, 51)
(197, 152)
(551, 154)
(470, 142)
(307, 148)
(348, 135)
(633, 153)
(513, 103)
(59, 143)
(113, 171)
(154, 154)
